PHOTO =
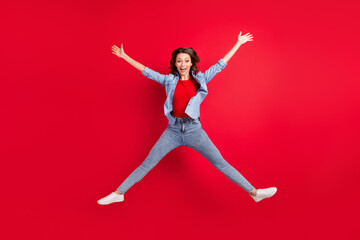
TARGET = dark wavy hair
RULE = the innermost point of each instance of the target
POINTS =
(194, 59)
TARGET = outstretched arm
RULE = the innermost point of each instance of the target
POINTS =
(147, 72)
(241, 40)
(121, 54)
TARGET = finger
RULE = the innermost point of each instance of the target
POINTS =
(240, 33)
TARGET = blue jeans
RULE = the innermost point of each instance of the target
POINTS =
(185, 132)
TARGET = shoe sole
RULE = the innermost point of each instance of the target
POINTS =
(109, 203)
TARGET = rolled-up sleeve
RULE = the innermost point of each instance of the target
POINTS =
(222, 63)
(160, 78)
(215, 69)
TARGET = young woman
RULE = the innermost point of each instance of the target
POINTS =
(185, 89)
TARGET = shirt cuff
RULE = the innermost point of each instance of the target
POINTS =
(222, 62)
(145, 72)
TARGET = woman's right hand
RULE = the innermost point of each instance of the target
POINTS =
(118, 51)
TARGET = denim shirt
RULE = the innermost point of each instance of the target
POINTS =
(170, 81)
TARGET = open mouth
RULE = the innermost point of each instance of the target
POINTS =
(182, 69)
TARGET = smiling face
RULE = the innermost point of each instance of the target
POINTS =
(183, 63)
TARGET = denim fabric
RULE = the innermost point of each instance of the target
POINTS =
(169, 82)
(185, 132)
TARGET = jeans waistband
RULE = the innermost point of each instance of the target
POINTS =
(186, 119)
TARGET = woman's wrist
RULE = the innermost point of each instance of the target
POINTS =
(126, 57)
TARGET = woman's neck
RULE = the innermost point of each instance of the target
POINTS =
(184, 77)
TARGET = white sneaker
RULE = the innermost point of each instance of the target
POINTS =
(111, 198)
(264, 193)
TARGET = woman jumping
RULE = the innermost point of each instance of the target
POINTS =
(185, 89)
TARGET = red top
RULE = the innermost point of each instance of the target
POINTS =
(185, 89)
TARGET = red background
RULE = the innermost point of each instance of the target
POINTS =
(75, 120)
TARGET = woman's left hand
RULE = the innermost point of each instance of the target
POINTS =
(245, 38)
